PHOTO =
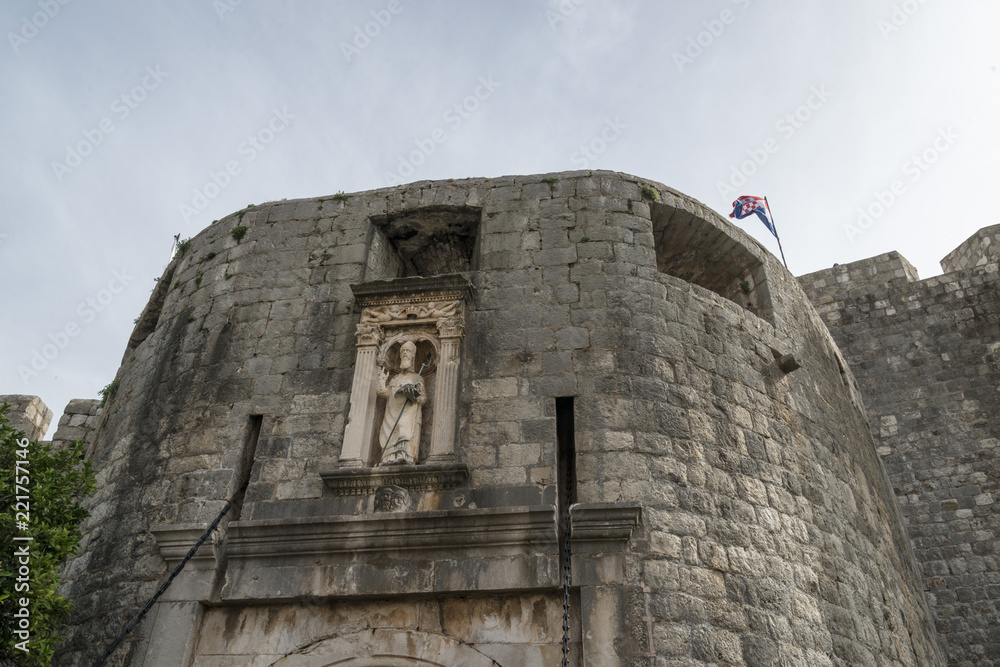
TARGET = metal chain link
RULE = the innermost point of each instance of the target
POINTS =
(566, 579)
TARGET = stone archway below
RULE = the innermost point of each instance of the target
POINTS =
(387, 647)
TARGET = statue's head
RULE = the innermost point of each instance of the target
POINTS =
(407, 351)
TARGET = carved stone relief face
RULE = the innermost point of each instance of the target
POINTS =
(392, 499)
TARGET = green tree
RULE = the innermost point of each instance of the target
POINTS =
(54, 483)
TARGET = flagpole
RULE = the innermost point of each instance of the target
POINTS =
(782, 250)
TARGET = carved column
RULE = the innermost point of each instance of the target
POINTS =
(446, 391)
(355, 452)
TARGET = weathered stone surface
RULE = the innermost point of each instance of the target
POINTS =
(28, 414)
(981, 248)
(769, 533)
(925, 355)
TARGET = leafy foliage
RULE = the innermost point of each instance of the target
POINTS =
(109, 392)
(182, 248)
(58, 480)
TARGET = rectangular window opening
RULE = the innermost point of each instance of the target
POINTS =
(248, 454)
(565, 464)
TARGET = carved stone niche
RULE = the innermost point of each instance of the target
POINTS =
(398, 316)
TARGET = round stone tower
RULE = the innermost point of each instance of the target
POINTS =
(452, 418)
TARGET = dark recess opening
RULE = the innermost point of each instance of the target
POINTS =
(429, 241)
(248, 454)
(695, 250)
(565, 464)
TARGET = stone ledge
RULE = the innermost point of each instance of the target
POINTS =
(176, 540)
(452, 286)
(599, 539)
(425, 477)
(487, 528)
(404, 553)
(603, 524)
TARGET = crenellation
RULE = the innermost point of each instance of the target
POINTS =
(28, 414)
(923, 354)
(980, 249)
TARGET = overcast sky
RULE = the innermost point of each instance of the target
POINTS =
(125, 123)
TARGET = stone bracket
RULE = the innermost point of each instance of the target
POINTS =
(599, 535)
(424, 477)
(195, 583)
(175, 542)
(603, 526)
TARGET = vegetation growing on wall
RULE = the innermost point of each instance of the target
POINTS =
(37, 541)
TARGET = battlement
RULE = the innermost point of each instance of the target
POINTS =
(981, 248)
(28, 414)
(883, 268)
(926, 356)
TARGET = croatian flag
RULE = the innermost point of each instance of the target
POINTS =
(748, 204)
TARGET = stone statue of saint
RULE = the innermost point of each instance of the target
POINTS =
(404, 397)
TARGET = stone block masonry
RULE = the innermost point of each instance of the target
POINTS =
(927, 356)
(28, 414)
(981, 248)
(709, 459)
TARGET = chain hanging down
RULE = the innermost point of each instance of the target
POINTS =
(566, 581)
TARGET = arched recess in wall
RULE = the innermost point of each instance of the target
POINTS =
(693, 249)
(387, 647)
(428, 241)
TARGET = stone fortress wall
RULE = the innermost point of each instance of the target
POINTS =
(927, 356)
(30, 414)
(632, 377)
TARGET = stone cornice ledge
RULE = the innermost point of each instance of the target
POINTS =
(603, 526)
(176, 540)
(455, 285)
(490, 529)
(424, 477)
(500, 548)
(599, 536)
